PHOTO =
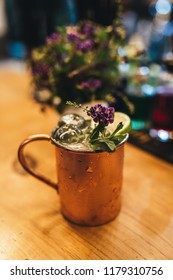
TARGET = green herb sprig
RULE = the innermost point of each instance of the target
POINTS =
(100, 139)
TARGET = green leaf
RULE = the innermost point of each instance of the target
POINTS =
(95, 133)
(119, 126)
(110, 145)
(103, 145)
(117, 139)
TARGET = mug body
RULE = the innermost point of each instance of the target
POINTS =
(90, 185)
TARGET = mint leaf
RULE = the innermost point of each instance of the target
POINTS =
(110, 145)
(119, 126)
(95, 133)
(103, 145)
(117, 139)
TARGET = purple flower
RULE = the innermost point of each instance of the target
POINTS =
(90, 84)
(85, 46)
(73, 37)
(88, 29)
(41, 69)
(94, 83)
(101, 114)
(54, 37)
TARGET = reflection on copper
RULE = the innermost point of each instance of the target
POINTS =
(90, 185)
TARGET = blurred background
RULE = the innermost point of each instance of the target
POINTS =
(148, 83)
(26, 24)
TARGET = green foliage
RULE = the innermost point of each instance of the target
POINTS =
(103, 141)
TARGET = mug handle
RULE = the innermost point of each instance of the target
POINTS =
(22, 159)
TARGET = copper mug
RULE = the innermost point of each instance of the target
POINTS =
(89, 183)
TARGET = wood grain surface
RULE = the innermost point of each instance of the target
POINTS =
(31, 224)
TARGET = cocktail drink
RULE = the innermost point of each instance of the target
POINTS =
(89, 182)
(89, 165)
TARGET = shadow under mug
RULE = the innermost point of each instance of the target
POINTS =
(89, 183)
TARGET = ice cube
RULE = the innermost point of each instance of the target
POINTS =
(72, 119)
(68, 134)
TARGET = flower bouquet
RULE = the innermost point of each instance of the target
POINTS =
(80, 63)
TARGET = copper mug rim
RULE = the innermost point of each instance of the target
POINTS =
(84, 151)
(38, 137)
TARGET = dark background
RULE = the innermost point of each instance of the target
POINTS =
(29, 22)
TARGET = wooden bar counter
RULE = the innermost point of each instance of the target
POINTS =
(31, 224)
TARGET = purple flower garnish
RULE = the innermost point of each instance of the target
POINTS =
(85, 46)
(41, 69)
(90, 84)
(101, 114)
(54, 37)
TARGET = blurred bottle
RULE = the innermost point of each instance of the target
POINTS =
(167, 55)
(140, 90)
(3, 29)
(155, 46)
(161, 11)
(3, 23)
(162, 114)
